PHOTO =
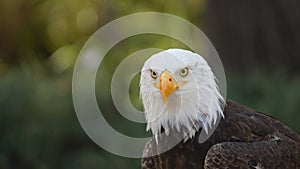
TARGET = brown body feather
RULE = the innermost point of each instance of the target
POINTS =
(245, 138)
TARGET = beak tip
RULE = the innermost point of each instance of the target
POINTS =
(165, 99)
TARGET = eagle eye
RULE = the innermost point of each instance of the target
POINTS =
(153, 74)
(184, 72)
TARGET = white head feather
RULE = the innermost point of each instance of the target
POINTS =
(192, 106)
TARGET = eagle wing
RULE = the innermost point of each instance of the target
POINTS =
(276, 151)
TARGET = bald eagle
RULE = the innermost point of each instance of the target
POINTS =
(181, 100)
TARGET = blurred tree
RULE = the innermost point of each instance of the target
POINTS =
(263, 33)
(16, 25)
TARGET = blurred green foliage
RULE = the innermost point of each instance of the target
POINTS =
(40, 41)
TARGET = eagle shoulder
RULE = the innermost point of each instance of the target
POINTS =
(242, 121)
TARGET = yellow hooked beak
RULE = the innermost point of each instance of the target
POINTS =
(166, 85)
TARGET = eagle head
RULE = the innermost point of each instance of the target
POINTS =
(179, 92)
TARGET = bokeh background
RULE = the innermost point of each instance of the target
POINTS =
(258, 42)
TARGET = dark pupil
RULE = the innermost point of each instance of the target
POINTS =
(183, 71)
(153, 73)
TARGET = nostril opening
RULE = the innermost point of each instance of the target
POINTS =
(170, 79)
